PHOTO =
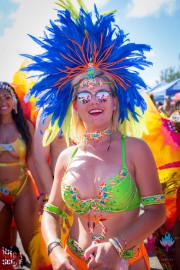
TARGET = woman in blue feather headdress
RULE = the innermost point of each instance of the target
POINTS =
(87, 86)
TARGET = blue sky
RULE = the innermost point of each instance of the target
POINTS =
(153, 22)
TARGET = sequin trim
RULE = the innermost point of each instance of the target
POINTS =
(75, 247)
(154, 199)
(106, 200)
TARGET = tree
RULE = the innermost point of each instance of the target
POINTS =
(169, 74)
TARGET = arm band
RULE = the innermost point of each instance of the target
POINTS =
(154, 199)
(55, 210)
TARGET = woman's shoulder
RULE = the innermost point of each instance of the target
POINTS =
(130, 142)
(66, 155)
(69, 150)
(139, 154)
(135, 141)
(137, 146)
(30, 124)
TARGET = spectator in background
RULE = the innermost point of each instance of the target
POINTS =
(46, 158)
(152, 98)
(48, 153)
(177, 105)
(159, 104)
(168, 107)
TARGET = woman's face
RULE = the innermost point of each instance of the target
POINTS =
(95, 107)
(6, 102)
(177, 107)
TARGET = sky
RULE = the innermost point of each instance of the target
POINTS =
(153, 22)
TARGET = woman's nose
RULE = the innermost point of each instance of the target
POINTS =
(93, 98)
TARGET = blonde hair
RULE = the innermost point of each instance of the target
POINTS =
(78, 128)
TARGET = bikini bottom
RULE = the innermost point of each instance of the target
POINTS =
(9, 191)
(76, 252)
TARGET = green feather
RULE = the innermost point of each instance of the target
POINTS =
(67, 4)
(66, 126)
(64, 7)
(108, 12)
(50, 133)
(81, 4)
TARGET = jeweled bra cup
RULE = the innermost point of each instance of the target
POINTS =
(8, 192)
(117, 194)
(18, 149)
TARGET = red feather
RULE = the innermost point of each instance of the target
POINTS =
(178, 203)
(171, 212)
(44, 267)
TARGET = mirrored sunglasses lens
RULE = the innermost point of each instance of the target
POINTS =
(84, 97)
(102, 97)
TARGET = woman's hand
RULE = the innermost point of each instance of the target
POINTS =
(103, 256)
(61, 260)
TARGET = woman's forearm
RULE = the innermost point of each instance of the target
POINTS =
(45, 175)
(144, 226)
(35, 176)
(50, 227)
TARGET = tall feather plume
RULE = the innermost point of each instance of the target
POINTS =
(72, 38)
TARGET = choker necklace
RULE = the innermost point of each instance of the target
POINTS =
(97, 135)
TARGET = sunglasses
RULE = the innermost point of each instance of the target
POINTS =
(102, 96)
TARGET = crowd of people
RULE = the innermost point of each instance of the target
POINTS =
(168, 106)
(89, 194)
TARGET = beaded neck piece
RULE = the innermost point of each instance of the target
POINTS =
(98, 134)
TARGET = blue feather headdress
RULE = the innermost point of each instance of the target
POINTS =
(73, 40)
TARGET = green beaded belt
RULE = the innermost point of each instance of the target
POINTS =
(131, 253)
(127, 255)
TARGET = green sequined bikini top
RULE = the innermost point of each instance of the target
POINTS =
(119, 193)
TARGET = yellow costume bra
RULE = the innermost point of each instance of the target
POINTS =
(9, 191)
(18, 149)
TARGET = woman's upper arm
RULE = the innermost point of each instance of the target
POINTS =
(61, 165)
(31, 127)
(145, 170)
(31, 130)
(41, 152)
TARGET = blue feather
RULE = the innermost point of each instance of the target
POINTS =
(62, 50)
